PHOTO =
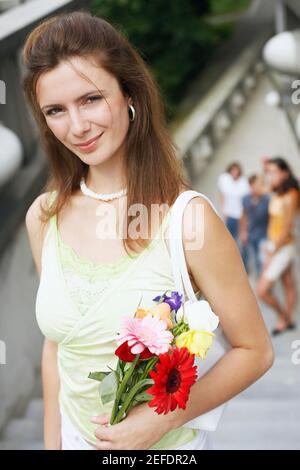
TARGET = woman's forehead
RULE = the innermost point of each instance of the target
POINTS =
(70, 80)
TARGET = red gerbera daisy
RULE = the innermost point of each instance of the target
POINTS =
(173, 378)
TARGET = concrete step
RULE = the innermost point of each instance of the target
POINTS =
(21, 445)
(35, 409)
(23, 429)
(259, 424)
(26, 432)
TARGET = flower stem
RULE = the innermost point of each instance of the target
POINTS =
(121, 389)
(130, 397)
(180, 328)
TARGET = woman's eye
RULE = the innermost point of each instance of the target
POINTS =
(49, 112)
(53, 111)
(94, 98)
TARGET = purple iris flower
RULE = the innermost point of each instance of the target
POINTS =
(174, 300)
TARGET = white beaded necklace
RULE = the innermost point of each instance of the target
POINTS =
(101, 197)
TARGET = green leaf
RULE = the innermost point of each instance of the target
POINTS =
(98, 375)
(109, 386)
(119, 372)
(143, 397)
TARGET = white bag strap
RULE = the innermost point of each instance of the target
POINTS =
(180, 272)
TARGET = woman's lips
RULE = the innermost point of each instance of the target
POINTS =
(91, 145)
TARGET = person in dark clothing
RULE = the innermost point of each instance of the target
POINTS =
(254, 221)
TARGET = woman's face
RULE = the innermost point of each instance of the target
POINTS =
(276, 176)
(76, 112)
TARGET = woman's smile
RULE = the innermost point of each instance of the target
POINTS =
(91, 145)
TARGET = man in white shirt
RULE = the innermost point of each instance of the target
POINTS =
(232, 188)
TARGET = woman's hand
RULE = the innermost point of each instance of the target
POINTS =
(141, 429)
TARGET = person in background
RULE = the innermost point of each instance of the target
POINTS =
(233, 186)
(265, 175)
(280, 250)
(254, 221)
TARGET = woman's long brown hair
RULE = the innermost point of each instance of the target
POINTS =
(154, 174)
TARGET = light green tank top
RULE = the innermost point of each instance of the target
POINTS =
(80, 304)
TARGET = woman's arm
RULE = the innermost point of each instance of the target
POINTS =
(50, 379)
(219, 273)
(218, 270)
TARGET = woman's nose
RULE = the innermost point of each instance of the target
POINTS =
(78, 123)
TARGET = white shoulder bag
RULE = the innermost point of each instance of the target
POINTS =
(209, 420)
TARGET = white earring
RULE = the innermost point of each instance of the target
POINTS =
(132, 117)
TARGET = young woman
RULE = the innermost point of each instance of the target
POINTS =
(102, 125)
(280, 250)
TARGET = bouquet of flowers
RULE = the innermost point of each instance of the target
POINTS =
(156, 352)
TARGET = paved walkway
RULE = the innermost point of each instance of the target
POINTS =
(266, 415)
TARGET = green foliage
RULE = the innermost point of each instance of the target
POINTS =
(221, 7)
(98, 375)
(109, 387)
(171, 36)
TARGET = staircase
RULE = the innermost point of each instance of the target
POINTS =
(26, 432)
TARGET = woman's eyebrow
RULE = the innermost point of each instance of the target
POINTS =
(77, 99)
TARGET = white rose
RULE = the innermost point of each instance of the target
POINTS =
(198, 315)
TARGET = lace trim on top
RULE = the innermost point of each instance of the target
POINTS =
(87, 269)
(92, 271)
(87, 280)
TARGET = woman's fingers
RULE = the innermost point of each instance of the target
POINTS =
(104, 433)
(104, 445)
(101, 419)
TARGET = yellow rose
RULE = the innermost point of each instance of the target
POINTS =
(197, 342)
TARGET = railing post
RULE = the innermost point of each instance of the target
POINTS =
(280, 16)
(14, 112)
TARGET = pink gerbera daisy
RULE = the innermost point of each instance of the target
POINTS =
(148, 332)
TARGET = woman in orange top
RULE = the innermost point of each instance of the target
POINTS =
(280, 249)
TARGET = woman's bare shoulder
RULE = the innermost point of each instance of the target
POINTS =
(35, 227)
(205, 237)
(199, 220)
(32, 218)
(199, 210)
